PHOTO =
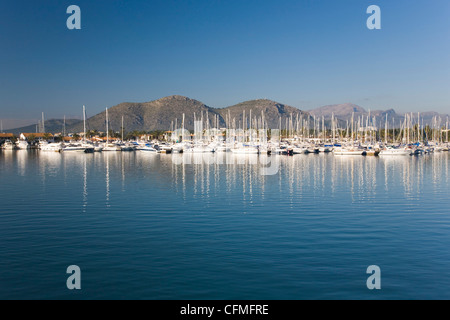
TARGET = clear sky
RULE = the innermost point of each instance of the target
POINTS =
(305, 53)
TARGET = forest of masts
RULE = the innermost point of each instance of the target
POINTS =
(303, 127)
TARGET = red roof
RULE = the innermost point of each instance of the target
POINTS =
(37, 135)
(6, 135)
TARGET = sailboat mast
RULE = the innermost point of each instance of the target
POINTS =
(446, 129)
(107, 127)
(353, 127)
(418, 127)
(84, 124)
(332, 126)
(386, 130)
(393, 130)
(182, 125)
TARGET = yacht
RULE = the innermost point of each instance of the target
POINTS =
(52, 147)
(344, 151)
(199, 148)
(312, 149)
(88, 148)
(298, 150)
(8, 145)
(148, 148)
(127, 147)
(282, 150)
(22, 145)
(42, 144)
(391, 151)
(72, 147)
(111, 147)
(222, 147)
(180, 147)
(245, 149)
(324, 149)
(98, 148)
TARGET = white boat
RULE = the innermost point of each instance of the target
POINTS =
(127, 147)
(221, 148)
(324, 149)
(281, 150)
(98, 147)
(51, 147)
(8, 145)
(199, 149)
(312, 149)
(111, 147)
(298, 150)
(343, 151)
(72, 147)
(148, 148)
(438, 148)
(42, 143)
(22, 145)
(390, 151)
(163, 148)
(179, 147)
(245, 149)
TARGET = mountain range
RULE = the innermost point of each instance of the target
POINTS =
(345, 112)
(51, 126)
(167, 113)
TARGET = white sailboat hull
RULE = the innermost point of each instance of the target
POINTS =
(245, 151)
(347, 152)
(395, 152)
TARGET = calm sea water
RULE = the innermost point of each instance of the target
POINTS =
(150, 226)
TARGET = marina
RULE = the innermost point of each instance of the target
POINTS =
(301, 135)
(229, 141)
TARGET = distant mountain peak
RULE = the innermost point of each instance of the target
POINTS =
(343, 109)
(176, 97)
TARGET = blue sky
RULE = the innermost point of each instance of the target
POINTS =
(305, 53)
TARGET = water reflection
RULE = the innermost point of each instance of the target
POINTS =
(205, 176)
(225, 171)
(50, 164)
(22, 156)
(85, 190)
(107, 157)
(322, 175)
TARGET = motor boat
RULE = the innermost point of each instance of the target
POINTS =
(22, 145)
(344, 151)
(391, 151)
(8, 145)
(51, 147)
